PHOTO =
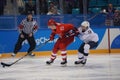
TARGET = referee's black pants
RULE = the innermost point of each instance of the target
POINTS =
(30, 40)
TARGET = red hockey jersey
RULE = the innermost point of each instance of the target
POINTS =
(62, 29)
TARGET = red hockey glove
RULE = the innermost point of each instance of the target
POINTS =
(72, 33)
(51, 38)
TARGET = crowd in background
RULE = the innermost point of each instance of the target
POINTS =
(55, 7)
(43, 6)
(46, 6)
(2, 5)
(113, 16)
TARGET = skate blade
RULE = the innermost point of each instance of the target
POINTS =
(49, 64)
(63, 65)
(81, 65)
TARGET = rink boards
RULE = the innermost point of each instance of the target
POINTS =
(109, 41)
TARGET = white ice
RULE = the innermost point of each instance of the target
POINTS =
(98, 67)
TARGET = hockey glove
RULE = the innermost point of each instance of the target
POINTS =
(51, 38)
(72, 33)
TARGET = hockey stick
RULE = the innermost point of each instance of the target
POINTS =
(94, 16)
(8, 65)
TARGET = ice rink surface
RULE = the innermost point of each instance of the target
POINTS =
(98, 67)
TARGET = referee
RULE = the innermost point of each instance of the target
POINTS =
(26, 28)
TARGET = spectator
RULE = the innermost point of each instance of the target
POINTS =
(30, 7)
(68, 6)
(21, 6)
(2, 5)
(43, 6)
(117, 18)
(52, 10)
(51, 4)
(110, 13)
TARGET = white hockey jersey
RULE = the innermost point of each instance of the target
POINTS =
(88, 35)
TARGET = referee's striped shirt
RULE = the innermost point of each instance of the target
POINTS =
(28, 26)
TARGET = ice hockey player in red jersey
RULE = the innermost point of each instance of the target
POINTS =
(63, 41)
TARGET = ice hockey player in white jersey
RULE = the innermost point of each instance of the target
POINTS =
(90, 40)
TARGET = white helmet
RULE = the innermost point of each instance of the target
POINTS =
(85, 24)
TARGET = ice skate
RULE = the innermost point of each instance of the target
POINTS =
(78, 62)
(49, 62)
(64, 62)
(31, 54)
(84, 61)
(81, 62)
(13, 54)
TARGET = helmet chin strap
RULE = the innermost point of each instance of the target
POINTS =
(83, 30)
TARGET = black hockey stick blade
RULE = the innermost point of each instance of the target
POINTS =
(8, 65)
(4, 64)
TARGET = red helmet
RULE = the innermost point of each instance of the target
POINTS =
(51, 22)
